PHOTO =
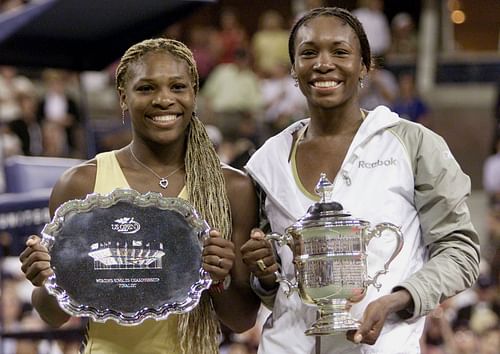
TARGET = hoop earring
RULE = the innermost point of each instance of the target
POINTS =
(361, 83)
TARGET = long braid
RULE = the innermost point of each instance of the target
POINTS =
(207, 193)
(205, 181)
(199, 329)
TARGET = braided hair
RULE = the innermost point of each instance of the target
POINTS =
(344, 15)
(198, 330)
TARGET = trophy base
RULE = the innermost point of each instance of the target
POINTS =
(330, 325)
(333, 319)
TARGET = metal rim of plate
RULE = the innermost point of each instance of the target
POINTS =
(96, 200)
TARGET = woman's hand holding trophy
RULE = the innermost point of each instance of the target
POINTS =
(259, 258)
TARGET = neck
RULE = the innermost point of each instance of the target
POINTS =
(335, 121)
(157, 155)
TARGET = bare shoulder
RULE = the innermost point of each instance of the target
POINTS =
(74, 183)
(236, 179)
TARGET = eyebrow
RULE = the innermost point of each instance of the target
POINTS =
(314, 43)
(150, 78)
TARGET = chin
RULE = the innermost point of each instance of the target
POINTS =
(326, 104)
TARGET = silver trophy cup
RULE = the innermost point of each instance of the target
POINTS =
(329, 249)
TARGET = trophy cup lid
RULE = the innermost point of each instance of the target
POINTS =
(326, 210)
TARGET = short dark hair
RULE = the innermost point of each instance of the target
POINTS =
(344, 15)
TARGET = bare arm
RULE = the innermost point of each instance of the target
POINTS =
(237, 306)
(74, 183)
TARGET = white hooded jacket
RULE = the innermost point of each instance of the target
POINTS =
(394, 171)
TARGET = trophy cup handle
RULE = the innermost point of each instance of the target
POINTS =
(377, 232)
(291, 287)
(282, 240)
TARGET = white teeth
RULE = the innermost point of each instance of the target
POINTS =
(325, 84)
(164, 119)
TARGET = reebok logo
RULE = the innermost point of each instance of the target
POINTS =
(389, 162)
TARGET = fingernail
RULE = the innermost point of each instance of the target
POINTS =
(256, 233)
(358, 338)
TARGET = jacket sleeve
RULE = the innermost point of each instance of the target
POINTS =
(441, 191)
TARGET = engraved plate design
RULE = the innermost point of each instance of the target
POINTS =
(126, 256)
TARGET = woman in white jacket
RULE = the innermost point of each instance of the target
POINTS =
(385, 169)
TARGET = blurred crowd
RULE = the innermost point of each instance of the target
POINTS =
(247, 94)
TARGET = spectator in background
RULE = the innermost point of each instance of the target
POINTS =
(231, 36)
(460, 339)
(472, 330)
(8, 5)
(496, 110)
(484, 312)
(432, 340)
(11, 86)
(493, 227)
(203, 44)
(9, 142)
(408, 104)
(59, 116)
(491, 186)
(17, 313)
(11, 310)
(489, 341)
(308, 5)
(371, 15)
(438, 329)
(311, 4)
(174, 31)
(2, 189)
(232, 96)
(404, 37)
(215, 136)
(283, 101)
(379, 87)
(447, 335)
(270, 43)
(26, 126)
(491, 173)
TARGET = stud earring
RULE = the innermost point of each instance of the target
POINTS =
(123, 117)
(294, 77)
(361, 83)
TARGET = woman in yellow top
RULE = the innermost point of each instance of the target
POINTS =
(170, 153)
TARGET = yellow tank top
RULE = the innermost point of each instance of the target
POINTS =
(150, 337)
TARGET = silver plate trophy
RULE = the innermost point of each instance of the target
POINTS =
(329, 249)
(126, 256)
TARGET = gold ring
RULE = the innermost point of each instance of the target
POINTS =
(262, 266)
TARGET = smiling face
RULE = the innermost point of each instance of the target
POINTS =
(159, 96)
(328, 62)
